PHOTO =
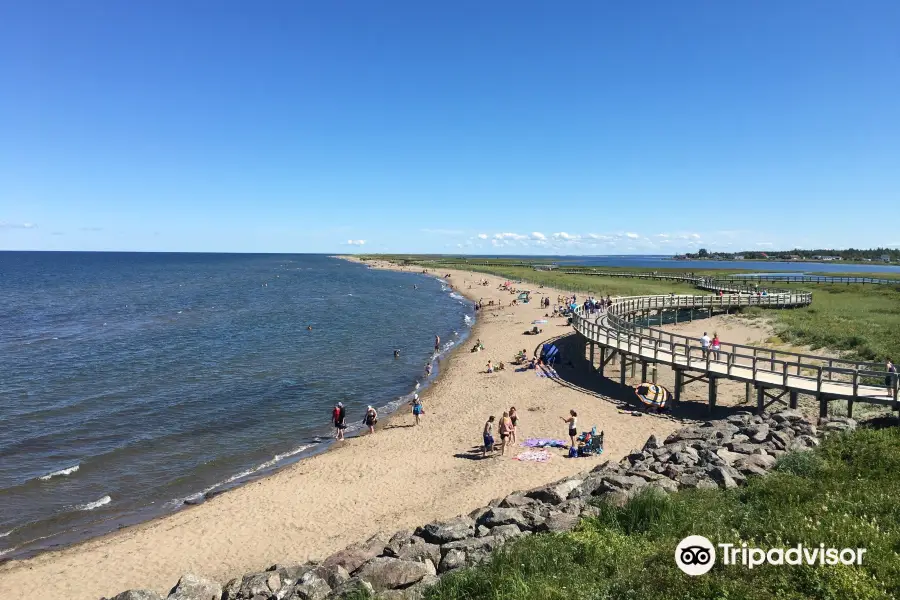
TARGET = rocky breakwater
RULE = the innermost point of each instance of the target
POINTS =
(715, 454)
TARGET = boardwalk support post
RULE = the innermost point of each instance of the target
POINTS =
(622, 367)
(602, 360)
(850, 407)
(643, 370)
(679, 384)
(793, 399)
(713, 388)
(823, 407)
(592, 355)
(760, 400)
(747, 393)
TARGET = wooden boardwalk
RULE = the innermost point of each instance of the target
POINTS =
(625, 331)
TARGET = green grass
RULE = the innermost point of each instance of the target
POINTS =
(844, 494)
(860, 320)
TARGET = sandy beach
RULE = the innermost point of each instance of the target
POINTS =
(401, 477)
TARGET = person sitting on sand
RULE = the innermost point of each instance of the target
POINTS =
(533, 363)
(514, 418)
(490, 367)
(487, 435)
(501, 366)
(371, 418)
(505, 429)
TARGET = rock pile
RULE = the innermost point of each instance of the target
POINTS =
(715, 454)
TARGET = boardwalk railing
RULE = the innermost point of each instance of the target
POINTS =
(619, 328)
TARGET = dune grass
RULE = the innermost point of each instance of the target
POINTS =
(843, 494)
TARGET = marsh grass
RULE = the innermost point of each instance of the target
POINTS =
(843, 494)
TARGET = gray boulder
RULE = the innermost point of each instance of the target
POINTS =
(652, 443)
(448, 531)
(516, 501)
(504, 532)
(789, 416)
(194, 587)
(722, 477)
(386, 573)
(311, 587)
(554, 493)
(504, 516)
(452, 559)
(138, 595)
(559, 522)
(353, 588)
(353, 557)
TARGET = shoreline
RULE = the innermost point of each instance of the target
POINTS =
(306, 449)
(400, 477)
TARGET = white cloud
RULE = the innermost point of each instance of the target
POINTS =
(537, 235)
(662, 235)
(483, 236)
(5, 225)
(355, 242)
(562, 235)
(696, 236)
(632, 236)
(510, 236)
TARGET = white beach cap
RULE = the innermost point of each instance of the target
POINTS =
(415, 396)
(341, 404)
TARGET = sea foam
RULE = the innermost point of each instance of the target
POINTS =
(96, 504)
(60, 473)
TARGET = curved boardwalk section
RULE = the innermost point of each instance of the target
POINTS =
(626, 331)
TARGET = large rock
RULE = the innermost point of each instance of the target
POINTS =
(311, 587)
(757, 433)
(728, 457)
(194, 587)
(386, 573)
(790, 416)
(452, 559)
(504, 532)
(418, 550)
(504, 516)
(253, 585)
(353, 557)
(516, 501)
(555, 493)
(652, 443)
(353, 588)
(138, 595)
(722, 477)
(624, 483)
(448, 531)
(559, 522)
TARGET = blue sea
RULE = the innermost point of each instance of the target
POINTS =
(132, 382)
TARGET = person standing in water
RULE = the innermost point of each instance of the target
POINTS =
(572, 420)
(371, 418)
(437, 344)
(337, 417)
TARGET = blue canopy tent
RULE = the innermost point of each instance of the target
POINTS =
(549, 354)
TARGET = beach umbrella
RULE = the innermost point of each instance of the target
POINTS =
(549, 353)
(652, 394)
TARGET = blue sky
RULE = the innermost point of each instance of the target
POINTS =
(479, 127)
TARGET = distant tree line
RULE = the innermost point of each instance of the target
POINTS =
(849, 254)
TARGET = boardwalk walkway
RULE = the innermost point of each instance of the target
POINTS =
(625, 330)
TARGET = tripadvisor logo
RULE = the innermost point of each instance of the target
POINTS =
(696, 555)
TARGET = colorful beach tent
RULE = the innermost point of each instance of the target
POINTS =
(549, 353)
(652, 394)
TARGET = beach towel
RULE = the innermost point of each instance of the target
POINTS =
(544, 443)
(533, 456)
(546, 372)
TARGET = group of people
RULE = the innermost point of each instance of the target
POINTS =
(507, 428)
(339, 419)
(710, 345)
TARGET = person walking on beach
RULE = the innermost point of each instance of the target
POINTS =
(704, 344)
(337, 417)
(437, 344)
(505, 428)
(716, 345)
(371, 418)
(891, 377)
(514, 417)
(572, 420)
(487, 435)
(416, 407)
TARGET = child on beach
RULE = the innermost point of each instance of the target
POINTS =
(487, 435)
(572, 420)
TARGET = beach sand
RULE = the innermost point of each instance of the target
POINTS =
(401, 477)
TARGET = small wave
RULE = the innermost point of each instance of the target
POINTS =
(60, 473)
(3, 535)
(96, 504)
(456, 296)
(293, 452)
(8, 550)
(468, 319)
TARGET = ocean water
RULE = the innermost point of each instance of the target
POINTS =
(131, 382)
